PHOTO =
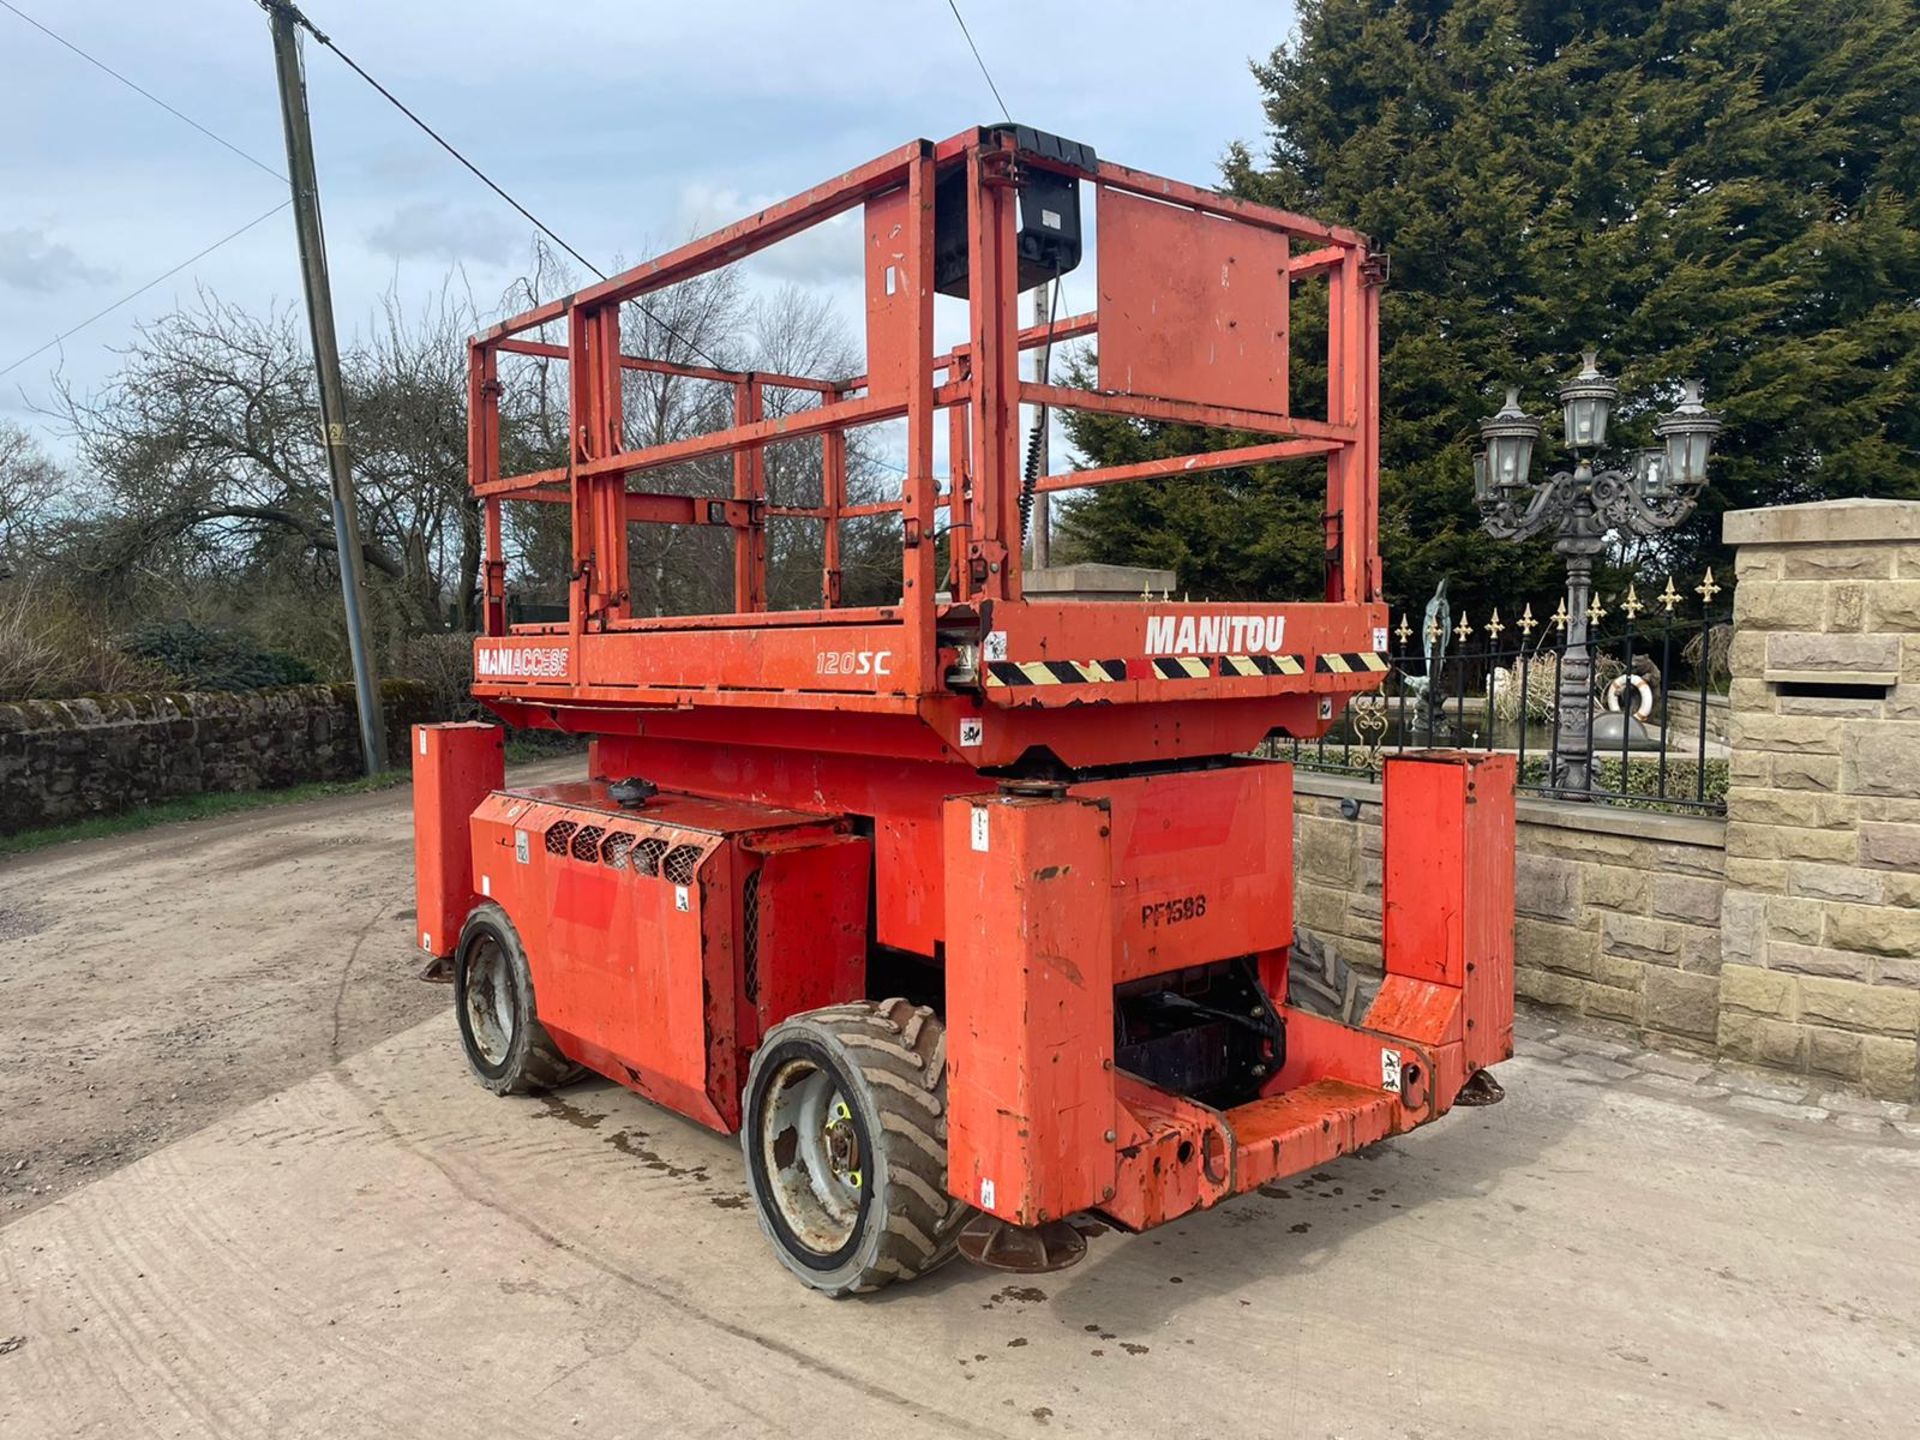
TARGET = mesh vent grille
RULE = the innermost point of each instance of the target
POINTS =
(750, 928)
(586, 844)
(615, 849)
(680, 864)
(558, 836)
(646, 856)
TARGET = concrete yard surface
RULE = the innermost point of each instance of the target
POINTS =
(386, 1250)
(341, 1234)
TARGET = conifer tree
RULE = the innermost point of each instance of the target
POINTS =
(1723, 188)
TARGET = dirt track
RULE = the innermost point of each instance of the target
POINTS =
(152, 983)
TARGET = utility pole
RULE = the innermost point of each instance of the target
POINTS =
(326, 358)
(1042, 372)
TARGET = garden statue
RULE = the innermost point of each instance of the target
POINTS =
(1435, 627)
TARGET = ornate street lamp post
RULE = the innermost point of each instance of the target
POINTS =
(1580, 508)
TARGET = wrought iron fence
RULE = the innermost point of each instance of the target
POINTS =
(1656, 698)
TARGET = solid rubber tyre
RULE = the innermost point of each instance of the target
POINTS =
(507, 1048)
(876, 1074)
(1320, 982)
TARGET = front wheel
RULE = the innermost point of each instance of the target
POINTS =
(846, 1145)
(507, 1047)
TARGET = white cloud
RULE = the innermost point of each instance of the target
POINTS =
(702, 113)
(435, 230)
(30, 261)
(828, 254)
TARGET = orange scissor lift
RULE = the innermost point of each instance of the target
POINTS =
(969, 912)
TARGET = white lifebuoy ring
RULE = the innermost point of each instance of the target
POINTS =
(1643, 708)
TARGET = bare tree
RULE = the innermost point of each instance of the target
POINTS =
(207, 445)
(213, 498)
(408, 398)
(206, 436)
(679, 569)
(705, 322)
(793, 332)
(29, 494)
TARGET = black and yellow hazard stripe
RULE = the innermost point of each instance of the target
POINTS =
(1180, 667)
(1016, 673)
(1352, 662)
(1261, 665)
(1055, 672)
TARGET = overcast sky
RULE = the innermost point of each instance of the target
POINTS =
(616, 124)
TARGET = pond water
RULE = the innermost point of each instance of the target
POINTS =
(1468, 728)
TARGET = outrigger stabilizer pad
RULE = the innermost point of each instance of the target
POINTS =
(1481, 1089)
(438, 971)
(992, 1242)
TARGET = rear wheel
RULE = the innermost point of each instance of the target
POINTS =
(507, 1047)
(845, 1138)
(1320, 982)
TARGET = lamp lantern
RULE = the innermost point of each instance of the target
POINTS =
(1650, 473)
(1587, 403)
(1581, 508)
(1687, 434)
(1510, 437)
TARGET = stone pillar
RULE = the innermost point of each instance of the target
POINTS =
(1095, 582)
(1820, 941)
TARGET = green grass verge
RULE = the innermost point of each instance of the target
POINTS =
(192, 807)
(529, 745)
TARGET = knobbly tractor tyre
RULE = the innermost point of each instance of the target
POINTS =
(507, 1048)
(845, 1138)
(1320, 982)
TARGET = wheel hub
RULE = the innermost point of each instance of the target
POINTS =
(811, 1146)
(489, 1001)
(843, 1144)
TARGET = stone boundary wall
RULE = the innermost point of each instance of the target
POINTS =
(63, 760)
(1822, 939)
(1786, 936)
(1616, 912)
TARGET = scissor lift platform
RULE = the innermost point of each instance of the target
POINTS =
(959, 904)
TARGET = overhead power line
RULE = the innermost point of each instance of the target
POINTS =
(961, 20)
(139, 89)
(442, 142)
(136, 294)
(478, 173)
(180, 115)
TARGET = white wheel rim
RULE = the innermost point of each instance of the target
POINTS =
(490, 1000)
(811, 1149)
